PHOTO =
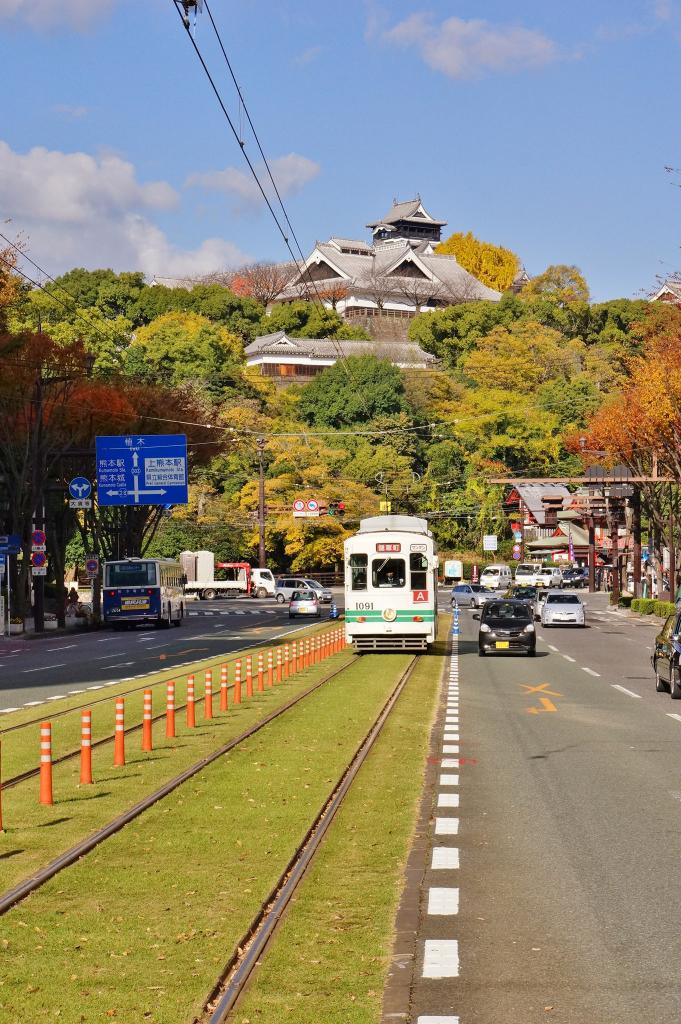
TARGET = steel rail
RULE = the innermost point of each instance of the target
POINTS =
(19, 892)
(253, 943)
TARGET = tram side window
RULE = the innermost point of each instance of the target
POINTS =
(358, 572)
(418, 566)
(388, 572)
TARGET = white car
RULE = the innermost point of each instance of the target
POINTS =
(562, 608)
(549, 576)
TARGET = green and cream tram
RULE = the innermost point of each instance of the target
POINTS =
(391, 585)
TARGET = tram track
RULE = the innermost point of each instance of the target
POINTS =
(17, 893)
(248, 951)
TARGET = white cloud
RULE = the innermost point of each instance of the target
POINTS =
(70, 111)
(291, 174)
(466, 49)
(45, 14)
(78, 210)
(307, 56)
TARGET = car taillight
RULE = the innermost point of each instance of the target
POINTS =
(149, 590)
(112, 593)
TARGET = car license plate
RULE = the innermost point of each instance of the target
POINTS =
(502, 645)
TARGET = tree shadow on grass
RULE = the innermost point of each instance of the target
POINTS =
(55, 821)
(84, 797)
(117, 778)
(10, 853)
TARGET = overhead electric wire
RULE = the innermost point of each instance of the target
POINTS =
(341, 354)
(55, 298)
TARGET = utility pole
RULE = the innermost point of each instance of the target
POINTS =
(592, 556)
(262, 560)
(636, 531)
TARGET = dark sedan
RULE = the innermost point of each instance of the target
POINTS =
(505, 626)
(666, 657)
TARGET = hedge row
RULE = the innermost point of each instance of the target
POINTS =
(648, 606)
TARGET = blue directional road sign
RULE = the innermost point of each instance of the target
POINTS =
(80, 487)
(149, 469)
(10, 544)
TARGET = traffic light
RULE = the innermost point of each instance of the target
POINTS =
(336, 508)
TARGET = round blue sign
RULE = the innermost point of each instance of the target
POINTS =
(80, 487)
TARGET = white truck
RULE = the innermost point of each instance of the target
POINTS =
(237, 577)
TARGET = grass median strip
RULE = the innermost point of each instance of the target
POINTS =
(35, 834)
(329, 958)
(140, 928)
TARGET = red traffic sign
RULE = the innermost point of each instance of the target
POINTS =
(38, 538)
(38, 559)
(312, 505)
(299, 505)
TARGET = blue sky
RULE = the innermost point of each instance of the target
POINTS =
(546, 129)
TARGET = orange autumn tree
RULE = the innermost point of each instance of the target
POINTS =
(640, 426)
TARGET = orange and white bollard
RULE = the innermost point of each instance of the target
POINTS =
(86, 747)
(318, 650)
(287, 661)
(147, 738)
(119, 733)
(46, 763)
(270, 669)
(191, 709)
(261, 679)
(249, 675)
(224, 689)
(306, 658)
(293, 667)
(237, 682)
(170, 709)
(208, 696)
(301, 656)
(280, 667)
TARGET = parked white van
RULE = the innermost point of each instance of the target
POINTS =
(496, 577)
(549, 576)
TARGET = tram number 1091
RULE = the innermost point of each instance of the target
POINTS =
(364, 606)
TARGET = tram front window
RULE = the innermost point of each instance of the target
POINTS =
(358, 572)
(388, 572)
(418, 565)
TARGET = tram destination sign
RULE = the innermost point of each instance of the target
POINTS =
(142, 469)
(389, 549)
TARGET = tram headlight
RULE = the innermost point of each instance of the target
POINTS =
(389, 614)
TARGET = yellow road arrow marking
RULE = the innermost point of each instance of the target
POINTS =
(548, 705)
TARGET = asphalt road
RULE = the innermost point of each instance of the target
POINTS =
(570, 829)
(44, 667)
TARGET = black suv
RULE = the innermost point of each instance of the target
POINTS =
(666, 657)
(507, 625)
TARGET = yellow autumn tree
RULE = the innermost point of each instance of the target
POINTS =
(492, 264)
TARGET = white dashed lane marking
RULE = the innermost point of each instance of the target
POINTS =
(568, 658)
(443, 902)
(450, 748)
(441, 958)
(437, 1020)
(591, 672)
(623, 689)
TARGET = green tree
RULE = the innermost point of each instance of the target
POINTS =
(310, 320)
(522, 357)
(179, 347)
(563, 283)
(353, 391)
(494, 265)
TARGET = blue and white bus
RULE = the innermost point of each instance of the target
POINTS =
(147, 590)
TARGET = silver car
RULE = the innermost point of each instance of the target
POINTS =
(562, 608)
(304, 602)
(471, 595)
(285, 586)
